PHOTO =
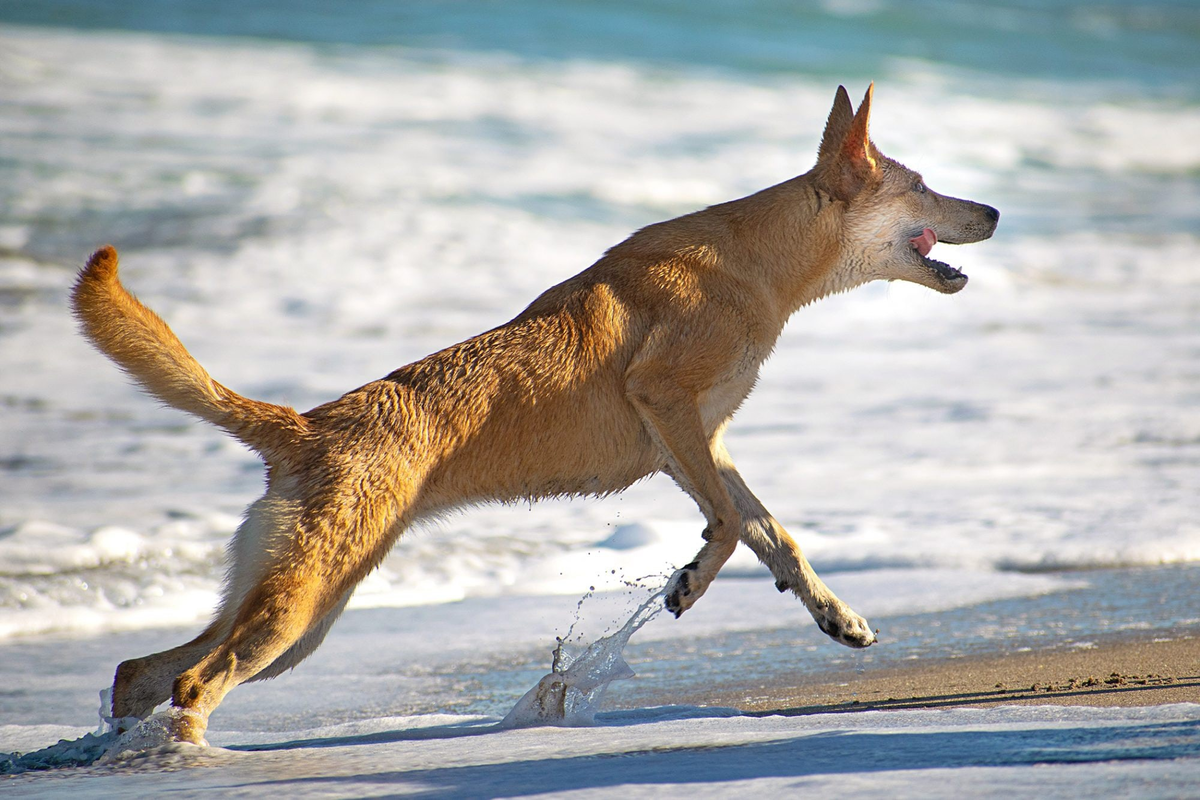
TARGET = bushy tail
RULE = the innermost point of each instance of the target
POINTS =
(141, 344)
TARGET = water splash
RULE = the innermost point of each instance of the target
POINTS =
(569, 695)
(87, 749)
(114, 741)
(75, 753)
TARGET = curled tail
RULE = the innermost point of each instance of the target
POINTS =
(141, 344)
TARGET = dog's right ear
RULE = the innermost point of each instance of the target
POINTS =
(837, 126)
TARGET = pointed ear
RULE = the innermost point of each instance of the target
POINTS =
(856, 147)
(853, 163)
(837, 126)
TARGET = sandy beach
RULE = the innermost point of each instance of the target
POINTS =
(1120, 671)
(385, 708)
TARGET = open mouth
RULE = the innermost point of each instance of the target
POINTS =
(923, 243)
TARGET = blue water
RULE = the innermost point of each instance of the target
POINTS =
(1046, 53)
(1153, 47)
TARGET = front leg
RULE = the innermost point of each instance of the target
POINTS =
(780, 553)
(672, 417)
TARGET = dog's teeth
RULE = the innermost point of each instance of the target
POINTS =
(944, 269)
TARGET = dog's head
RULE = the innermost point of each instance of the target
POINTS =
(891, 218)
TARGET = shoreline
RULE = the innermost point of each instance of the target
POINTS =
(1117, 671)
(1127, 637)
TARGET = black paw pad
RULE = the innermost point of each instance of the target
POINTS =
(831, 628)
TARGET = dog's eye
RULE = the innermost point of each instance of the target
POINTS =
(919, 186)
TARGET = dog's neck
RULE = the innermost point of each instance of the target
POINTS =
(783, 234)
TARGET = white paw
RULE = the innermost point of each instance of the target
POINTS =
(844, 626)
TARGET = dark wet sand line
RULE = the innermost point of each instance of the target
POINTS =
(1126, 671)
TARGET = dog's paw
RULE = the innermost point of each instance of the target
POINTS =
(844, 626)
(681, 588)
(185, 725)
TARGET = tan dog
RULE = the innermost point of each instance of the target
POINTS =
(631, 367)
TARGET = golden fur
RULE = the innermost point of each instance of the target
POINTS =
(631, 367)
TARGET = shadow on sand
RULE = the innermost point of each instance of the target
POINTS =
(820, 753)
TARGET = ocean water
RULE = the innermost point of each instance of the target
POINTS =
(312, 197)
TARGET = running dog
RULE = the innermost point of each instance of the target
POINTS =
(632, 367)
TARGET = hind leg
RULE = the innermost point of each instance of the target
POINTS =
(307, 643)
(140, 684)
(269, 634)
(303, 586)
(143, 683)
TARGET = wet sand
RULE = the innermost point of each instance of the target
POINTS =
(1122, 671)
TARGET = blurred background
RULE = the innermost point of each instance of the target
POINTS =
(314, 193)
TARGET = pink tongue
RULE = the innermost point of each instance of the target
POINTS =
(925, 242)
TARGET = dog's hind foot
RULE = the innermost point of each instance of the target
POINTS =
(139, 685)
(186, 725)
